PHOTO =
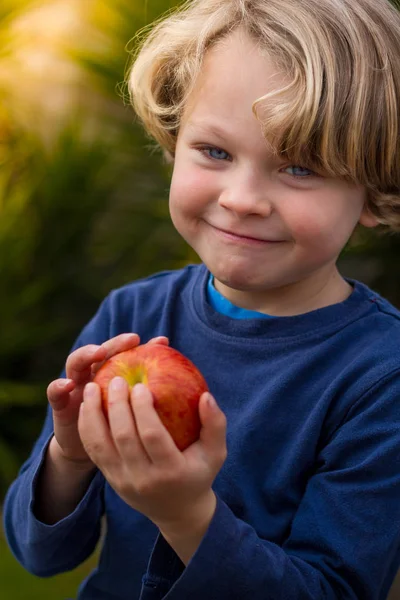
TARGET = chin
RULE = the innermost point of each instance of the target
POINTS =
(236, 281)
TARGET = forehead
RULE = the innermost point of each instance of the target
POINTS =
(235, 73)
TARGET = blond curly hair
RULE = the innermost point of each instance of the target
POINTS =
(340, 113)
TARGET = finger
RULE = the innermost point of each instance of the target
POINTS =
(94, 430)
(162, 339)
(79, 362)
(65, 405)
(119, 343)
(156, 440)
(213, 430)
(122, 422)
(58, 393)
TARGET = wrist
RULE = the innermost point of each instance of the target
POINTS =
(195, 518)
(61, 484)
(185, 535)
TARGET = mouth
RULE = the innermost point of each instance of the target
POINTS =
(245, 238)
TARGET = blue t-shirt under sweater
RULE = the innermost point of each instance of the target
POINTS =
(225, 306)
(308, 499)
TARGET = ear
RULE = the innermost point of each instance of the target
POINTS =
(367, 218)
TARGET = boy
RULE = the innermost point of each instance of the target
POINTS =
(281, 119)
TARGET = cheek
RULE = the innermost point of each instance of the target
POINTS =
(190, 188)
(188, 199)
(325, 229)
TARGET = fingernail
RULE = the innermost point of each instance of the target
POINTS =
(211, 401)
(138, 387)
(118, 383)
(90, 390)
(65, 383)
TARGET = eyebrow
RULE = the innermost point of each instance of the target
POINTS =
(207, 128)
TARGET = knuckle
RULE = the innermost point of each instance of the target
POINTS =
(150, 436)
(144, 486)
(172, 476)
(123, 437)
(94, 447)
(81, 357)
(75, 356)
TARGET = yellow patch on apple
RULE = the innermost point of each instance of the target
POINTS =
(174, 381)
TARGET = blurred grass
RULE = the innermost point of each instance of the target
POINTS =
(18, 584)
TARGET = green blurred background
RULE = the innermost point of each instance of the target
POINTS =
(83, 209)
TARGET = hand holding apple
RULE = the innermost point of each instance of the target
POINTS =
(142, 463)
(65, 395)
(174, 381)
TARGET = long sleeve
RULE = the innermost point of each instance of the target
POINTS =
(42, 549)
(64, 545)
(344, 538)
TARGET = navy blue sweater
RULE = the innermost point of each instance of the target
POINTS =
(309, 496)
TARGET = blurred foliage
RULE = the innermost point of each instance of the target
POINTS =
(116, 23)
(371, 257)
(84, 209)
(80, 215)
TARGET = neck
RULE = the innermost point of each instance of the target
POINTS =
(293, 299)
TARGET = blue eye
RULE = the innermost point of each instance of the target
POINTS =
(218, 153)
(299, 172)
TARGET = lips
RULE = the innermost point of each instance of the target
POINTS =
(246, 236)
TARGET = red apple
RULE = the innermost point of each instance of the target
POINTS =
(174, 381)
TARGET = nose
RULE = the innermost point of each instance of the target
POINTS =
(246, 195)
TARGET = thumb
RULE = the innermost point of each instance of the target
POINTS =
(213, 430)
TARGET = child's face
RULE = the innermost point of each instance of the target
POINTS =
(262, 232)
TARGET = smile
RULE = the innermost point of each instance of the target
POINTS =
(244, 239)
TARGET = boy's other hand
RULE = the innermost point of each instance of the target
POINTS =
(66, 395)
(140, 460)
